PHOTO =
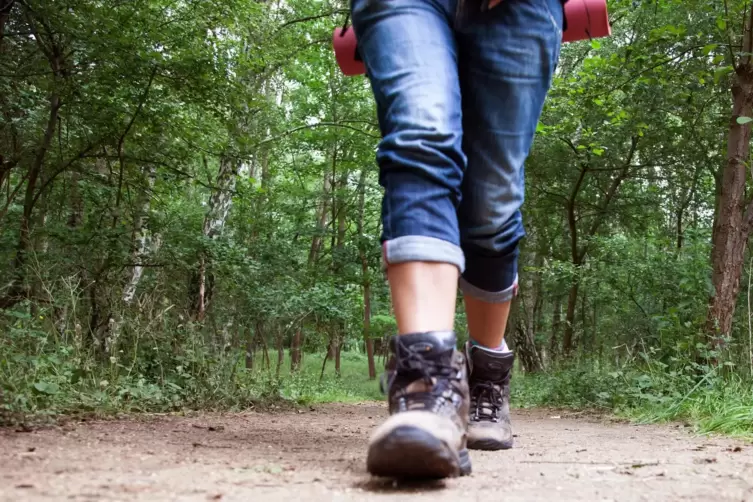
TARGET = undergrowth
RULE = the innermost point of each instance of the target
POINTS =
(44, 376)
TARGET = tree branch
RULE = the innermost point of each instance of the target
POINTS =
(313, 126)
(312, 18)
(615, 185)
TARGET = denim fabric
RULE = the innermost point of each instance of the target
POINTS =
(458, 99)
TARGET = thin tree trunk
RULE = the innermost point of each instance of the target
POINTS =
(267, 363)
(322, 213)
(141, 239)
(578, 252)
(368, 342)
(583, 318)
(324, 365)
(338, 352)
(249, 348)
(365, 276)
(295, 351)
(556, 323)
(522, 328)
(572, 303)
(220, 203)
(280, 352)
(261, 340)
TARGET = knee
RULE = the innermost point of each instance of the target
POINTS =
(493, 230)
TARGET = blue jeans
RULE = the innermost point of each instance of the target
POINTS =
(458, 100)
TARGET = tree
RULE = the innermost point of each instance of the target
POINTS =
(734, 216)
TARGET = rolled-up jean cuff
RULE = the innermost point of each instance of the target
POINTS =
(422, 248)
(489, 296)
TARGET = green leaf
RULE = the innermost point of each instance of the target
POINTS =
(47, 388)
(721, 23)
(744, 120)
(708, 48)
(595, 44)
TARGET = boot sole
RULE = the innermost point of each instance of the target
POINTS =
(489, 444)
(410, 452)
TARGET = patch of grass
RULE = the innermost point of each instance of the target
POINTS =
(305, 385)
(710, 402)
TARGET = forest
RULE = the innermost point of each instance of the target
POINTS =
(189, 213)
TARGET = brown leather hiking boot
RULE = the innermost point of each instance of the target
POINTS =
(489, 427)
(425, 436)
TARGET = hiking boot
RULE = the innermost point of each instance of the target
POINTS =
(427, 388)
(489, 425)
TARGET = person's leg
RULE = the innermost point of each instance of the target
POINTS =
(507, 62)
(423, 295)
(409, 50)
(486, 321)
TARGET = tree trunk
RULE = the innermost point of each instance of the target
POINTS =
(578, 251)
(732, 226)
(40, 247)
(16, 291)
(322, 213)
(365, 276)
(572, 303)
(523, 326)
(338, 352)
(76, 216)
(556, 323)
(524, 338)
(280, 353)
(220, 203)
(261, 341)
(324, 366)
(368, 342)
(295, 351)
(249, 348)
(141, 239)
(267, 363)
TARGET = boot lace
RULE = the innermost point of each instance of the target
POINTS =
(486, 401)
(438, 375)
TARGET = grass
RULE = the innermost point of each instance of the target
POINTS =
(305, 386)
(710, 403)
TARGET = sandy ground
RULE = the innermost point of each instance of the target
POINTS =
(317, 454)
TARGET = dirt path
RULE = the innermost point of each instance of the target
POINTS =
(318, 455)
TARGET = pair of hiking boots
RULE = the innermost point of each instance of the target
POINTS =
(441, 403)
